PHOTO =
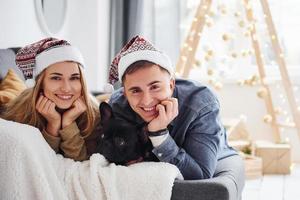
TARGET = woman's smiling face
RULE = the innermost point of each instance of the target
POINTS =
(62, 83)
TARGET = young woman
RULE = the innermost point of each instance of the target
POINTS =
(57, 101)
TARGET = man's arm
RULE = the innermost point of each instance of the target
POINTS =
(197, 158)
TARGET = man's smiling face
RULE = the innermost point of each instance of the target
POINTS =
(147, 87)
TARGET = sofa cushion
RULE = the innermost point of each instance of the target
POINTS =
(10, 87)
(7, 61)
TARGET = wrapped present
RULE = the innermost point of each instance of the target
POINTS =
(236, 129)
(253, 166)
(276, 157)
(241, 145)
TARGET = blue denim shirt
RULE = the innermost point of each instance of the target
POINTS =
(197, 138)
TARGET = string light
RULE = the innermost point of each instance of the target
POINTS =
(273, 37)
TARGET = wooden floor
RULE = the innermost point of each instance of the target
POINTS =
(274, 187)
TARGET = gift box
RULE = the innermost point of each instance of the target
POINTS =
(276, 158)
(253, 166)
(240, 145)
(236, 129)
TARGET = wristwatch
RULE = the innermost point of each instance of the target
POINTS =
(158, 133)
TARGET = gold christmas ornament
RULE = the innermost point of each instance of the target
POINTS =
(255, 78)
(244, 53)
(198, 63)
(250, 52)
(250, 27)
(241, 23)
(237, 14)
(247, 82)
(209, 22)
(268, 119)
(262, 92)
(218, 85)
(207, 58)
(211, 13)
(210, 52)
(226, 37)
(234, 55)
(210, 72)
(247, 33)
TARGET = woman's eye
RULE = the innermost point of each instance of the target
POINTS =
(75, 78)
(55, 78)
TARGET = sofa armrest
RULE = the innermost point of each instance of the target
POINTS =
(227, 184)
(200, 189)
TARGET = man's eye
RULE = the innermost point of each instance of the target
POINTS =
(134, 91)
(154, 87)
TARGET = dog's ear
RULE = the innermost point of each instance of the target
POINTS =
(105, 112)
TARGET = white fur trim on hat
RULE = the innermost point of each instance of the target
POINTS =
(156, 57)
(30, 83)
(55, 55)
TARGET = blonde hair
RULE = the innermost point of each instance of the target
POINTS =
(22, 108)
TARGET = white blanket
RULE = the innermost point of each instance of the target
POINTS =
(30, 169)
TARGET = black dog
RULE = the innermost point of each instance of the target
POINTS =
(123, 143)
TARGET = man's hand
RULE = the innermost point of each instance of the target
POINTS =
(167, 111)
(46, 108)
(74, 112)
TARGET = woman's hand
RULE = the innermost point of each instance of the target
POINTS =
(167, 111)
(74, 112)
(46, 108)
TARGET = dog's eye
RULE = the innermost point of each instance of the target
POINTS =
(119, 141)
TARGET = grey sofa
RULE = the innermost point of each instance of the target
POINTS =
(227, 183)
(7, 60)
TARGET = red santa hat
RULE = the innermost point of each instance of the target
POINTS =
(34, 58)
(135, 50)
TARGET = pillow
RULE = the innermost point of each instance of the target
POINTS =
(7, 61)
(10, 87)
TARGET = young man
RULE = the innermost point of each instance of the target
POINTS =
(182, 116)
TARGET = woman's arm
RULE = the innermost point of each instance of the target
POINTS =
(72, 143)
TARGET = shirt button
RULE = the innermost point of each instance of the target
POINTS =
(160, 154)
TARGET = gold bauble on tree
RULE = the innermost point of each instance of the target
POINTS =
(210, 72)
(197, 63)
(241, 23)
(262, 92)
(234, 55)
(237, 14)
(268, 118)
(226, 37)
(218, 85)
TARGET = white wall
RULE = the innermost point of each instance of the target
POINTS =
(86, 26)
